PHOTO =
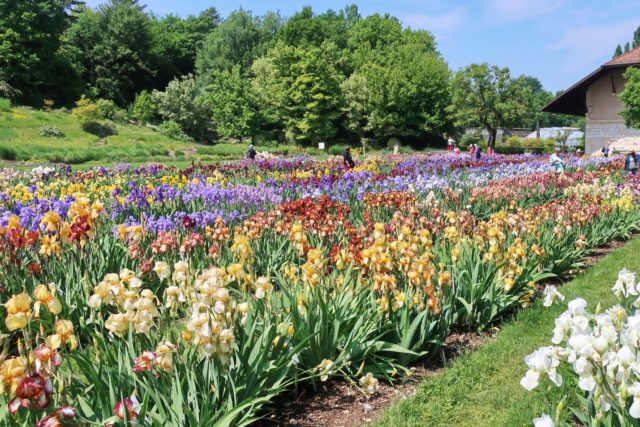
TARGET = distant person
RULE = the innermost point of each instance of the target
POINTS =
(631, 162)
(348, 160)
(396, 149)
(478, 152)
(251, 153)
(456, 151)
(557, 162)
(450, 144)
(472, 149)
(605, 150)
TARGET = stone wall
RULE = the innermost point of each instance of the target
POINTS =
(601, 132)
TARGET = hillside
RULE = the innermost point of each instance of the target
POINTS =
(21, 140)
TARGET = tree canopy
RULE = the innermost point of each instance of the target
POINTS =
(631, 98)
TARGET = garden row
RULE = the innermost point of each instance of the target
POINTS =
(194, 297)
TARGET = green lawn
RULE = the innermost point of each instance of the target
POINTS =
(481, 388)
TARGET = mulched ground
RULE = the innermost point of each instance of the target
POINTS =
(336, 404)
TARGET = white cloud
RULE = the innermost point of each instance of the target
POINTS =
(440, 24)
(518, 10)
(589, 44)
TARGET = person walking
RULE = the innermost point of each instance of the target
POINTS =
(631, 162)
(605, 150)
(348, 160)
(557, 162)
(472, 149)
(478, 152)
(251, 153)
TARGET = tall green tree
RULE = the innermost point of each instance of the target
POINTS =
(631, 98)
(298, 91)
(405, 96)
(176, 41)
(29, 40)
(238, 40)
(229, 99)
(636, 38)
(627, 47)
(487, 96)
(617, 52)
(111, 50)
(538, 98)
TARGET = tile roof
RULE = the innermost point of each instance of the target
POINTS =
(631, 57)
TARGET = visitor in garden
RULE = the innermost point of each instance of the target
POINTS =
(348, 160)
(631, 162)
(450, 144)
(472, 149)
(557, 162)
(478, 152)
(251, 153)
(605, 150)
(457, 151)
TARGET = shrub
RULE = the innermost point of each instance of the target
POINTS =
(50, 132)
(86, 111)
(5, 104)
(468, 139)
(513, 141)
(173, 130)
(99, 129)
(144, 109)
(336, 150)
(181, 103)
(108, 110)
(6, 134)
(7, 153)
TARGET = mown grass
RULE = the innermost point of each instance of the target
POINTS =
(481, 388)
(20, 140)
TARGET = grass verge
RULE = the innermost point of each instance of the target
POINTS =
(481, 388)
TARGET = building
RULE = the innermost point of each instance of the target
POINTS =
(597, 98)
(574, 135)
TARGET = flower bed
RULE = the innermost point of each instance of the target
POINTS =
(194, 297)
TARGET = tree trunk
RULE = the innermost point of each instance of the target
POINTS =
(493, 135)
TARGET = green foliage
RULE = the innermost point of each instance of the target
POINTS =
(5, 104)
(181, 104)
(487, 96)
(108, 110)
(176, 42)
(631, 98)
(29, 39)
(336, 150)
(238, 40)
(230, 99)
(50, 132)
(173, 130)
(101, 130)
(405, 95)
(7, 153)
(469, 139)
(111, 49)
(144, 108)
(85, 111)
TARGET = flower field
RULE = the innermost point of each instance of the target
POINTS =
(194, 297)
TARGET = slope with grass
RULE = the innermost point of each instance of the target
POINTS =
(481, 388)
(20, 140)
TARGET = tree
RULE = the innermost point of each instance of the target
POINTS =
(539, 97)
(181, 103)
(618, 52)
(111, 50)
(176, 41)
(144, 108)
(627, 47)
(487, 96)
(230, 101)
(298, 91)
(238, 40)
(631, 98)
(404, 96)
(29, 41)
(636, 38)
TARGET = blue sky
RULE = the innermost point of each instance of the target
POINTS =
(558, 41)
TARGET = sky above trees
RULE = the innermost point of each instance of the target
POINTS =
(558, 41)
